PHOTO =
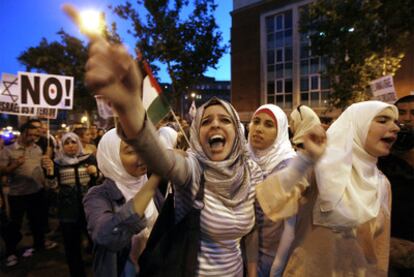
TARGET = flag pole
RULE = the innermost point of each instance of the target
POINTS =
(48, 134)
(179, 126)
(154, 83)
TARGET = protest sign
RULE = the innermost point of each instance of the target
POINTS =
(46, 113)
(104, 107)
(9, 97)
(383, 89)
(45, 90)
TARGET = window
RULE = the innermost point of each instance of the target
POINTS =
(285, 61)
(314, 89)
(279, 59)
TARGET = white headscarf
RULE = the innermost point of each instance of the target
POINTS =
(281, 149)
(168, 136)
(303, 119)
(62, 158)
(110, 164)
(228, 179)
(351, 188)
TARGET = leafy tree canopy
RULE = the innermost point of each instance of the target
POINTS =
(361, 40)
(187, 43)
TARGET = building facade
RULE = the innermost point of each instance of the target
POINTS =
(206, 88)
(271, 61)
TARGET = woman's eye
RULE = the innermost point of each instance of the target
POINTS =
(226, 120)
(204, 122)
(269, 125)
(382, 120)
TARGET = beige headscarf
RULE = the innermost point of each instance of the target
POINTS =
(351, 187)
(302, 119)
(228, 179)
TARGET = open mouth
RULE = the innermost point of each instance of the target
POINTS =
(216, 142)
(257, 138)
(389, 140)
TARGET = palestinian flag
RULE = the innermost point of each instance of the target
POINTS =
(152, 98)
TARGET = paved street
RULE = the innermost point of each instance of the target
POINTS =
(46, 263)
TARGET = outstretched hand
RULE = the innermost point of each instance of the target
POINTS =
(110, 70)
(314, 142)
(112, 73)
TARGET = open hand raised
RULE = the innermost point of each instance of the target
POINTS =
(113, 73)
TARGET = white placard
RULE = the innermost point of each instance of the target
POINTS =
(383, 89)
(104, 107)
(45, 90)
(9, 97)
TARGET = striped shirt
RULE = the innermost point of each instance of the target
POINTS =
(222, 227)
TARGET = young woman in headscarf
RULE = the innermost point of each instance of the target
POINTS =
(302, 119)
(120, 212)
(348, 234)
(71, 174)
(217, 153)
(270, 148)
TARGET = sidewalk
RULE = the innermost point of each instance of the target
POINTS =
(45, 263)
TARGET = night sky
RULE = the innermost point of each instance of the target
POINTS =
(24, 22)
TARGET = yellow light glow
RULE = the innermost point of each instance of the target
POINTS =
(91, 21)
(84, 119)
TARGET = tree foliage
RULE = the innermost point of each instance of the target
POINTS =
(65, 57)
(187, 44)
(361, 39)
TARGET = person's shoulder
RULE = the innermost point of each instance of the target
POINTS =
(106, 190)
(14, 146)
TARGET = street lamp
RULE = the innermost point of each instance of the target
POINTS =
(193, 95)
(91, 21)
(84, 119)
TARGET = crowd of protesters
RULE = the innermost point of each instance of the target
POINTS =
(39, 166)
(313, 204)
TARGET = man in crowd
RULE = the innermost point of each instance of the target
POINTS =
(42, 128)
(399, 168)
(21, 162)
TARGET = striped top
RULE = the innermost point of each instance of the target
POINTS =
(222, 227)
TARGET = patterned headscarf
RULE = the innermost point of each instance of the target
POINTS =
(228, 179)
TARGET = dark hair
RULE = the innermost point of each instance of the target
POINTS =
(80, 131)
(33, 120)
(23, 128)
(405, 99)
